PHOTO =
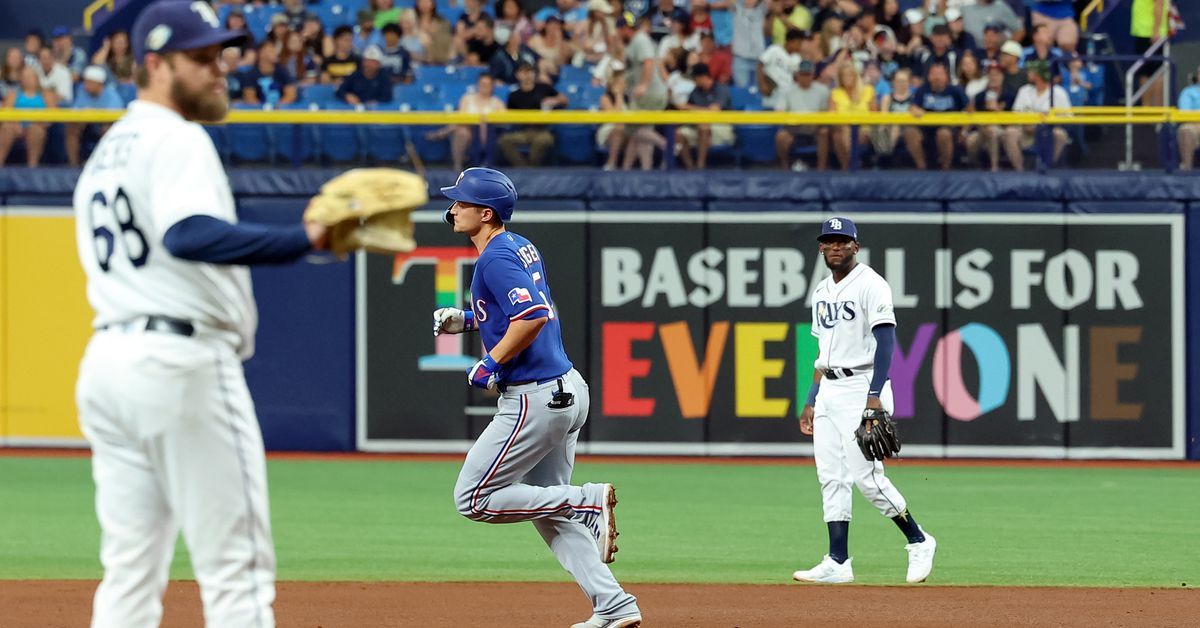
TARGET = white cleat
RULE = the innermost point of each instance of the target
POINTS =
(920, 558)
(828, 571)
(603, 525)
(595, 621)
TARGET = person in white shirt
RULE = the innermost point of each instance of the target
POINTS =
(1039, 96)
(1189, 134)
(776, 67)
(55, 77)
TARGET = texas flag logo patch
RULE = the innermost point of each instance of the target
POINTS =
(519, 295)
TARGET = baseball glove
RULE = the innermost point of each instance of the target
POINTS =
(369, 208)
(876, 435)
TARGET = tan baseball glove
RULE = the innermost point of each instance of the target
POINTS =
(369, 208)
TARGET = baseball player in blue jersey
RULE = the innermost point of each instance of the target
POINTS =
(520, 467)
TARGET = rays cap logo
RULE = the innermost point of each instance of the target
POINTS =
(838, 226)
(174, 25)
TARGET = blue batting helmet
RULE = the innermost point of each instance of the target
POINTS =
(483, 186)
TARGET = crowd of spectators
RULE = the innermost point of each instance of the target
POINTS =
(852, 56)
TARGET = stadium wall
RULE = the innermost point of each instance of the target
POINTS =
(684, 300)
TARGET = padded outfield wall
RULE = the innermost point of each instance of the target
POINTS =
(1040, 316)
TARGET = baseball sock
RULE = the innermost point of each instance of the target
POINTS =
(839, 531)
(909, 527)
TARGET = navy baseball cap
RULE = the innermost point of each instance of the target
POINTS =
(178, 25)
(838, 226)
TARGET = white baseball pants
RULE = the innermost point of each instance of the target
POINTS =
(840, 463)
(176, 445)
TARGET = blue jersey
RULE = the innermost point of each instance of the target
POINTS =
(510, 284)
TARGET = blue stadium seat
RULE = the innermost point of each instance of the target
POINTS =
(469, 74)
(220, 140)
(258, 19)
(451, 93)
(574, 74)
(745, 98)
(249, 142)
(335, 14)
(575, 143)
(128, 92)
(319, 95)
(755, 142)
(502, 92)
(338, 142)
(293, 142)
(384, 142)
(435, 74)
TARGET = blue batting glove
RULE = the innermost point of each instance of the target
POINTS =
(485, 374)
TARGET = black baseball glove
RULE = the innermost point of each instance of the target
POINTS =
(876, 435)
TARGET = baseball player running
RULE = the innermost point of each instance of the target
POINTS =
(855, 326)
(520, 467)
(162, 398)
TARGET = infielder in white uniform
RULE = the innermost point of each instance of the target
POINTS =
(855, 326)
(162, 398)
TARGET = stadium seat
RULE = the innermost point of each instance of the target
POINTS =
(574, 74)
(417, 97)
(451, 93)
(335, 14)
(575, 143)
(249, 142)
(293, 142)
(338, 142)
(755, 142)
(128, 92)
(220, 140)
(258, 19)
(469, 74)
(435, 74)
(502, 92)
(745, 98)
(318, 95)
(384, 142)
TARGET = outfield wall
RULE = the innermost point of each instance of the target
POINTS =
(1040, 316)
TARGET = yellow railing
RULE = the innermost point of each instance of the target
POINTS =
(1095, 5)
(1088, 115)
(94, 8)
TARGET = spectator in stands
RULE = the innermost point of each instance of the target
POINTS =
(10, 74)
(482, 101)
(804, 95)
(662, 16)
(28, 95)
(55, 76)
(721, 13)
(787, 16)
(681, 37)
(1040, 96)
(679, 79)
(435, 33)
(411, 37)
(939, 96)
(719, 60)
(385, 13)
(481, 44)
(851, 95)
(1043, 48)
(343, 62)
(646, 87)
(597, 32)
(370, 84)
(66, 53)
(277, 30)
(530, 95)
(899, 100)
(888, 14)
(231, 60)
(116, 55)
(708, 95)
(890, 61)
(34, 42)
(993, 99)
(552, 47)
(960, 39)
(510, 17)
(993, 39)
(568, 11)
(236, 22)
(749, 23)
(971, 76)
(1010, 60)
(700, 18)
(830, 37)
(266, 82)
(97, 93)
(915, 39)
(395, 58)
(938, 52)
(777, 65)
(610, 135)
(296, 59)
(365, 34)
(1059, 18)
(977, 16)
(316, 40)
(1189, 133)
(464, 28)
(515, 54)
(294, 13)
(1149, 22)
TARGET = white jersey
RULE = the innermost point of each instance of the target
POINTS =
(151, 170)
(843, 315)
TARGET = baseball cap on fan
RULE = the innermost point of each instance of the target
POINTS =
(174, 25)
(838, 226)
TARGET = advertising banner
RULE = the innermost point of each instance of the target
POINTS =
(1043, 335)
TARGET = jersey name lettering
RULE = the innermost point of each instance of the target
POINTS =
(828, 314)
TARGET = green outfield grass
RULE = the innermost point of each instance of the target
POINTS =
(387, 520)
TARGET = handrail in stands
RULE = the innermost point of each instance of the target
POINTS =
(94, 8)
(1132, 97)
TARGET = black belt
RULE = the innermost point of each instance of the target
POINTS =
(506, 385)
(157, 323)
(838, 373)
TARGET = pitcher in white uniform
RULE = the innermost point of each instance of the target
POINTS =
(855, 325)
(162, 398)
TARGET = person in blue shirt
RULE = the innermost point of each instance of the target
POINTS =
(95, 93)
(1189, 134)
(267, 82)
(370, 84)
(520, 467)
(936, 95)
(365, 34)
